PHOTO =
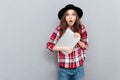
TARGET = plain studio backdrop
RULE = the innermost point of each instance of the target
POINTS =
(26, 25)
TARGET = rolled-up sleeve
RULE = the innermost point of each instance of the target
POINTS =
(53, 38)
(84, 36)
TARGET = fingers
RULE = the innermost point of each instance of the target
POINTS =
(68, 49)
(76, 35)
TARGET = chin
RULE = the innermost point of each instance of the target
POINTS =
(70, 25)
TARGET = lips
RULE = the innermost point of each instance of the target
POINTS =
(70, 21)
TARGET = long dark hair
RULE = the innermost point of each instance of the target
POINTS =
(75, 28)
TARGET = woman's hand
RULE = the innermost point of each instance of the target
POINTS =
(68, 49)
(65, 49)
(76, 35)
(82, 44)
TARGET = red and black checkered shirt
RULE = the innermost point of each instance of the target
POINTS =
(76, 58)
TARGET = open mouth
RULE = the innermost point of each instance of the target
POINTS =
(70, 21)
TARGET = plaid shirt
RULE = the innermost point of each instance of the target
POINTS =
(76, 58)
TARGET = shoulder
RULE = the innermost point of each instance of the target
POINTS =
(58, 28)
(82, 26)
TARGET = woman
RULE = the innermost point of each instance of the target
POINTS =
(71, 65)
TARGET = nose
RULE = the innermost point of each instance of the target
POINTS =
(70, 16)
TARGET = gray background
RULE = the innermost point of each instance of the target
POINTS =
(26, 25)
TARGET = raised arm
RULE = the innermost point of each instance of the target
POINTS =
(84, 38)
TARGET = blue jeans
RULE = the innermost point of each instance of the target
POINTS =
(71, 74)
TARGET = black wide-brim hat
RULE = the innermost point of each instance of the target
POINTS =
(70, 6)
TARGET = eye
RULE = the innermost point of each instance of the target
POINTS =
(73, 14)
(67, 14)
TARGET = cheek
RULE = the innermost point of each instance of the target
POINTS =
(75, 17)
(67, 19)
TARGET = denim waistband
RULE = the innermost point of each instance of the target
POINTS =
(70, 68)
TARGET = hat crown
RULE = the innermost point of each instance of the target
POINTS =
(69, 6)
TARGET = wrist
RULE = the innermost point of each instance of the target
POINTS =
(59, 48)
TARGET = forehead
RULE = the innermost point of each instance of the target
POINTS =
(70, 11)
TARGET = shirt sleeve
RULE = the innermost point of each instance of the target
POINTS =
(53, 39)
(84, 36)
